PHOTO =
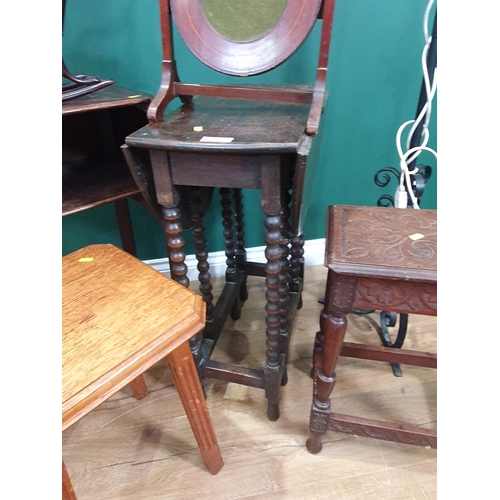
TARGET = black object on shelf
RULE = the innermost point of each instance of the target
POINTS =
(79, 84)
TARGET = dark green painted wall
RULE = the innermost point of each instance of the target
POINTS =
(374, 81)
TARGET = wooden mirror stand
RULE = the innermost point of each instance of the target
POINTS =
(236, 137)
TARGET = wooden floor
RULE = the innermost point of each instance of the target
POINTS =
(144, 450)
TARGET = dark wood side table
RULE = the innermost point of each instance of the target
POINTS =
(94, 171)
(235, 137)
(378, 258)
(267, 151)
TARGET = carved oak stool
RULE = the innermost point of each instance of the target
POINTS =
(377, 258)
(119, 317)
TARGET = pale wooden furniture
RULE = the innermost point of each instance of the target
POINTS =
(378, 258)
(119, 317)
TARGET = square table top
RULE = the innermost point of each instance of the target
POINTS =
(382, 242)
(108, 97)
(119, 317)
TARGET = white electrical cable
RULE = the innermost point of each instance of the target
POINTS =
(426, 109)
(425, 133)
(406, 172)
(406, 158)
(427, 38)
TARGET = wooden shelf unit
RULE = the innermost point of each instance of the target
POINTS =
(94, 171)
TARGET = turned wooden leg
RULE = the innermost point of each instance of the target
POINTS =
(187, 383)
(170, 262)
(297, 264)
(241, 256)
(333, 325)
(175, 245)
(67, 488)
(317, 350)
(204, 277)
(227, 223)
(284, 279)
(229, 245)
(138, 386)
(178, 268)
(200, 244)
(273, 358)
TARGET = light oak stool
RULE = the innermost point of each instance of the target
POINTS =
(378, 258)
(119, 317)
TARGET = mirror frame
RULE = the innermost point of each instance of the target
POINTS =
(244, 58)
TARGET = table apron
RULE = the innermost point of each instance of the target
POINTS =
(220, 170)
(404, 297)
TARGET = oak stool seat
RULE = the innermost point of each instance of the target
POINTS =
(378, 258)
(119, 317)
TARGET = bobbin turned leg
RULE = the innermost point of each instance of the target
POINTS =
(284, 279)
(175, 245)
(239, 225)
(229, 244)
(297, 265)
(333, 324)
(178, 268)
(273, 358)
(200, 244)
(271, 201)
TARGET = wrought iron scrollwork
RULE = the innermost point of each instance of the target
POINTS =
(383, 179)
(418, 181)
(389, 319)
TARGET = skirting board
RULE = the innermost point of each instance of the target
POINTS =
(314, 254)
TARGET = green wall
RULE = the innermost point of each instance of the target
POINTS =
(374, 82)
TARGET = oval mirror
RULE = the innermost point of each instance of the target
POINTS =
(243, 20)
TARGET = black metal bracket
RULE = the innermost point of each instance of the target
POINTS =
(388, 319)
(418, 181)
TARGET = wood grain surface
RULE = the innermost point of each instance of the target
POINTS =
(119, 96)
(137, 326)
(91, 183)
(382, 241)
(253, 125)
